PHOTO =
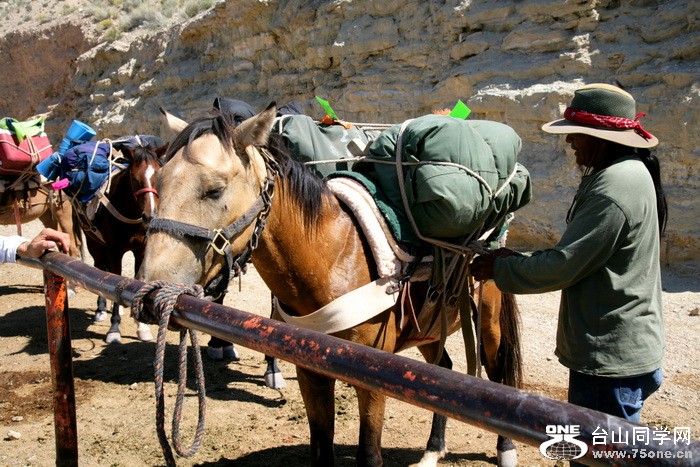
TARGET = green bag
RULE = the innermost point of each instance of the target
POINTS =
(445, 200)
(318, 144)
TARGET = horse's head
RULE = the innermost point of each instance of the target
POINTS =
(144, 163)
(216, 174)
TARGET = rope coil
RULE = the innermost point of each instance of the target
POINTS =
(165, 295)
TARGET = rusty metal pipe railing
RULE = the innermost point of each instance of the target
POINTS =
(507, 411)
(62, 382)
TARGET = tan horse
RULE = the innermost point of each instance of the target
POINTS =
(51, 207)
(217, 195)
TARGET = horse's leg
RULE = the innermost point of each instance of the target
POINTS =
(318, 394)
(114, 336)
(501, 351)
(143, 332)
(218, 349)
(101, 262)
(273, 375)
(61, 219)
(436, 448)
(101, 312)
(372, 406)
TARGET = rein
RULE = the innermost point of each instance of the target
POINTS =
(220, 239)
(113, 210)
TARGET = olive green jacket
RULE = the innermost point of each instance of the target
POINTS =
(607, 266)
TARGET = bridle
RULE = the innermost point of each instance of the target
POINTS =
(220, 239)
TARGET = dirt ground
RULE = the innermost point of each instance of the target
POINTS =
(249, 424)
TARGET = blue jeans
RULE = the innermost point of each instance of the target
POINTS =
(622, 397)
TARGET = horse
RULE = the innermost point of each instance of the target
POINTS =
(119, 224)
(220, 349)
(37, 201)
(309, 250)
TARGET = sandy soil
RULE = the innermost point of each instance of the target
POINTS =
(249, 424)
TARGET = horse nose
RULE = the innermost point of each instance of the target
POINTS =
(147, 218)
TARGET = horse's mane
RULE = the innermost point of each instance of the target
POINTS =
(219, 125)
(145, 154)
(304, 188)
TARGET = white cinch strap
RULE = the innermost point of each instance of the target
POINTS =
(348, 310)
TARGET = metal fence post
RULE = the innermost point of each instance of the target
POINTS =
(60, 354)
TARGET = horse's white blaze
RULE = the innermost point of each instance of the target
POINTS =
(150, 172)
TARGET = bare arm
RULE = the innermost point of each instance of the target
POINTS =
(47, 239)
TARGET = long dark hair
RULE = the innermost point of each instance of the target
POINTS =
(654, 167)
(651, 162)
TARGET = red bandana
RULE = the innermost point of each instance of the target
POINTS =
(585, 118)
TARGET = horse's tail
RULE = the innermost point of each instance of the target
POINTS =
(509, 351)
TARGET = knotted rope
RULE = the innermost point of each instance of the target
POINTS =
(164, 299)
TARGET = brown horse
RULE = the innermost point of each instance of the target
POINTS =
(119, 224)
(51, 207)
(217, 206)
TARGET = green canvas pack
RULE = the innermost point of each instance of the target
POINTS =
(445, 200)
(319, 145)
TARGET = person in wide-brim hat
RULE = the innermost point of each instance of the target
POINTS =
(606, 112)
(607, 262)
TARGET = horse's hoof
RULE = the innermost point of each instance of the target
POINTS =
(215, 353)
(113, 338)
(274, 380)
(144, 333)
(430, 458)
(507, 458)
(101, 316)
(230, 352)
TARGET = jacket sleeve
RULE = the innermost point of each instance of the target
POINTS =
(8, 248)
(598, 229)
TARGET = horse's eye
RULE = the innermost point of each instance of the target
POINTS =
(214, 193)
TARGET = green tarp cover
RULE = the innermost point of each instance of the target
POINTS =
(445, 201)
(309, 141)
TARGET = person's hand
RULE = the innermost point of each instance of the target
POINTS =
(47, 239)
(482, 266)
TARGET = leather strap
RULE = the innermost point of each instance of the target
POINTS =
(348, 310)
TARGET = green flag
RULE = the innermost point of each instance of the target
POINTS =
(460, 110)
(327, 108)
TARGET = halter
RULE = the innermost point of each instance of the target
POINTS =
(220, 239)
(143, 191)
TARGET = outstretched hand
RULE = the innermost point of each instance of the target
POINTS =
(47, 239)
(482, 266)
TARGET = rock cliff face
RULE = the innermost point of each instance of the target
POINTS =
(515, 62)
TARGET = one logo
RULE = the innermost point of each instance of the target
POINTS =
(563, 446)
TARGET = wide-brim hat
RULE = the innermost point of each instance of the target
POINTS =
(606, 112)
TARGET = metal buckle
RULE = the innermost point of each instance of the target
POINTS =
(219, 249)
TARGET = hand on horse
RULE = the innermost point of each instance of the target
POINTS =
(47, 239)
(482, 266)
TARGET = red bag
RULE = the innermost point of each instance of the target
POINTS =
(16, 156)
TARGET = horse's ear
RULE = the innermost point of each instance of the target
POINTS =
(160, 152)
(172, 123)
(127, 152)
(255, 130)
